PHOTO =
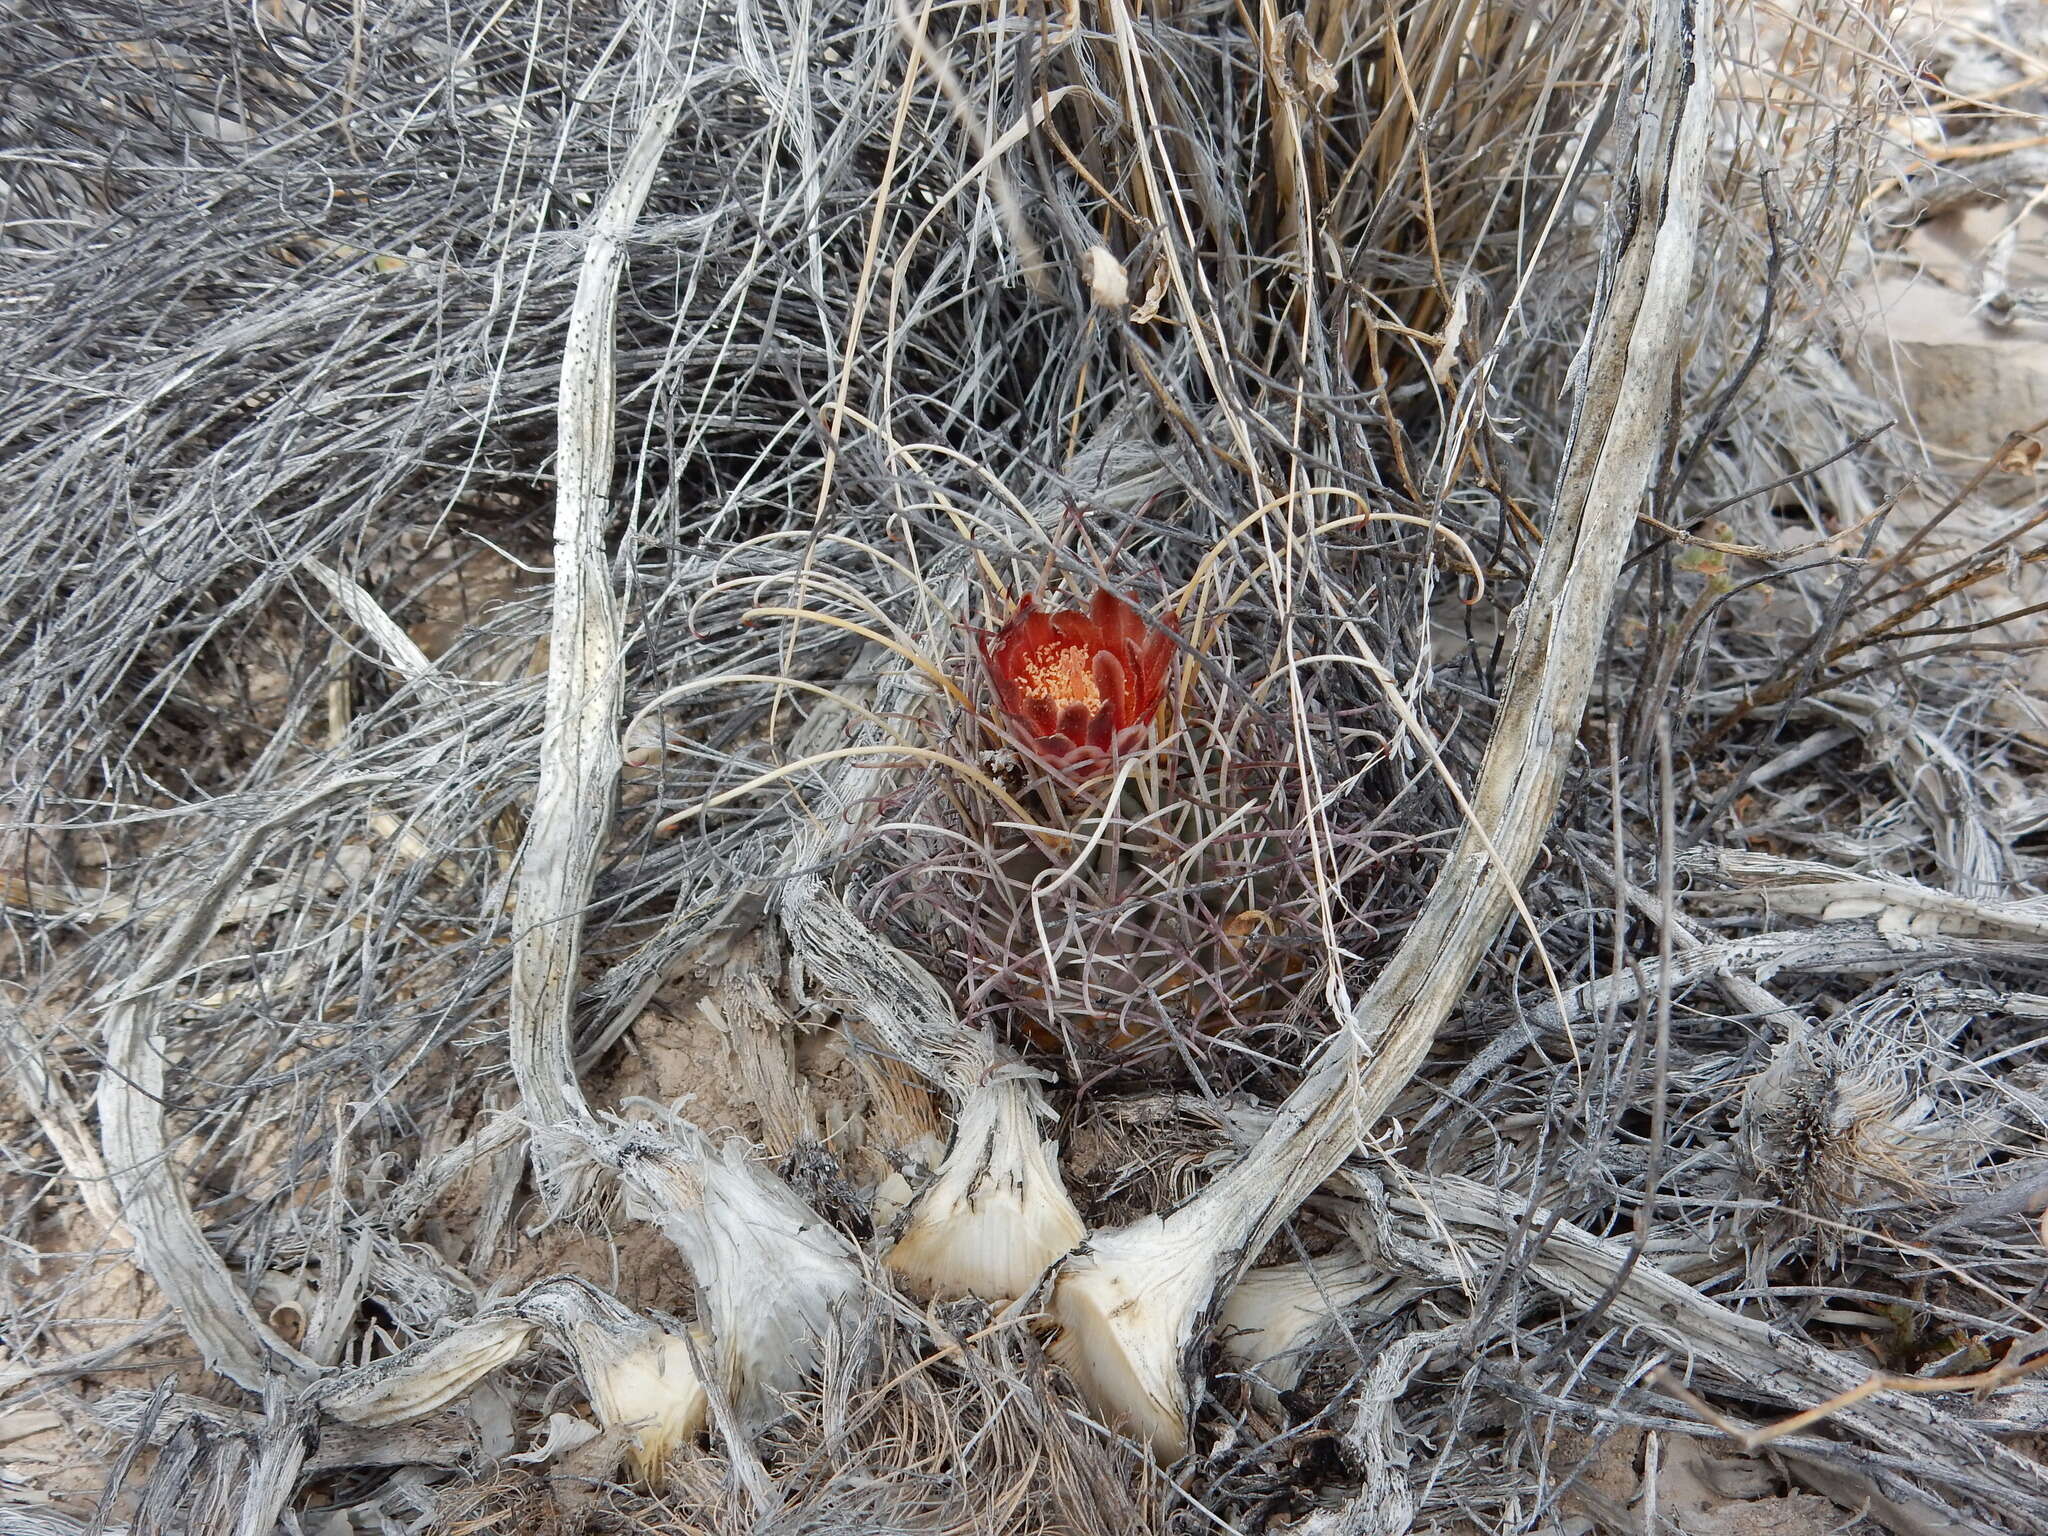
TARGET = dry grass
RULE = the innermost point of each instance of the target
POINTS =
(292, 296)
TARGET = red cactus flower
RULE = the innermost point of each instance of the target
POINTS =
(1082, 688)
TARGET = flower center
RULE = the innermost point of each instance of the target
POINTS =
(1061, 675)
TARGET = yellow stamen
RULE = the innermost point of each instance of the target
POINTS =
(1061, 676)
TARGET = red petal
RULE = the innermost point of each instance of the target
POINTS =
(1105, 612)
(1102, 731)
(1061, 751)
(1074, 627)
(1119, 699)
(1129, 624)
(1013, 645)
(1024, 634)
(1074, 721)
(1151, 662)
(1084, 762)
(1007, 696)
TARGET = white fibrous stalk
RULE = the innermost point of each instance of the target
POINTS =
(654, 1393)
(639, 1375)
(416, 1381)
(772, 1275)
(1274, 1319)
(996, 1212)
(995, 1215)
(1129, 1306)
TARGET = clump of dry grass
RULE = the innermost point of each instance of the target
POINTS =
(1293, 307)
(972, 1433)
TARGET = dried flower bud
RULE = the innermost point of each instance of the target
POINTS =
(1108, 284)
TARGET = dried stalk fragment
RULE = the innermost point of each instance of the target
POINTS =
(416, 1381)
(639, 1376)
(1701, 1332)
(772, 1275)
(579, 749)
(1901, 907)
(169, 1243)
(1277, 1315)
